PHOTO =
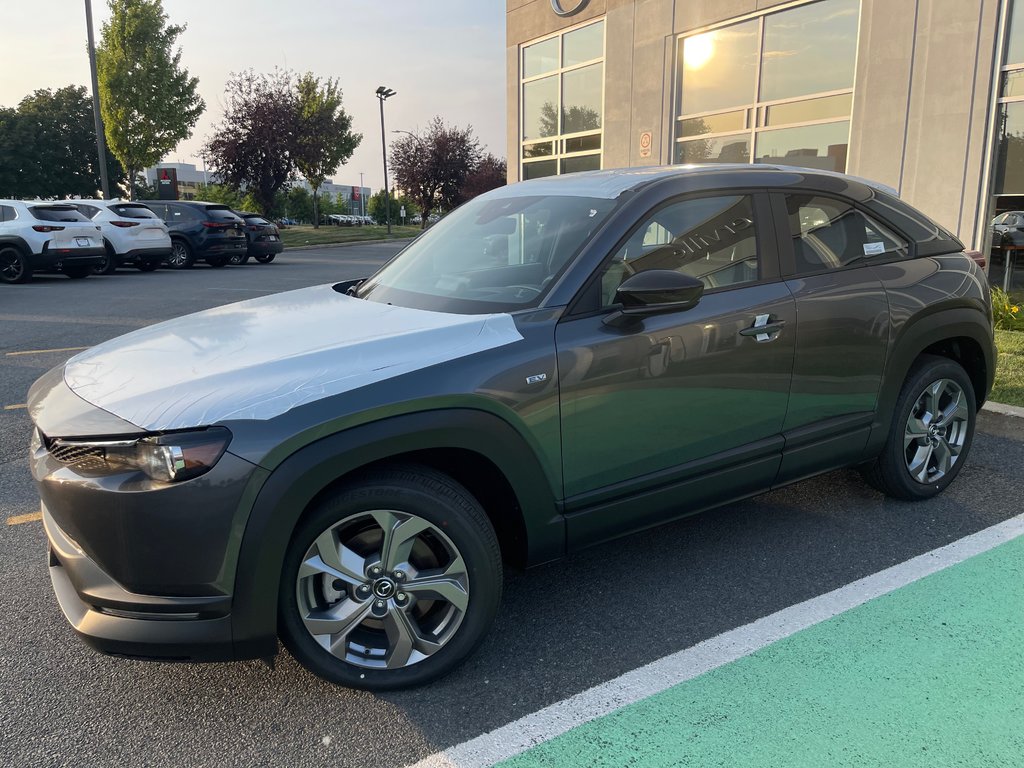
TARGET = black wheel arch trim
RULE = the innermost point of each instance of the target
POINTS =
(297, 481)
(17, 242)
(922, 333)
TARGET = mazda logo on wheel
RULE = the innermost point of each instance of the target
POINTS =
(559, 6)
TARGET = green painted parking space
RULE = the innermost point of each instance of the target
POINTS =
(931, 674)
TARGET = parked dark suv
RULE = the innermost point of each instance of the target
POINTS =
(556, 363)
(200, 231)
(262, 237)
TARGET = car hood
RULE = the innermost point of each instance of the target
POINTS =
(260, 358)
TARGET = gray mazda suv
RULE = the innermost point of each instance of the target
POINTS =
(349, 467)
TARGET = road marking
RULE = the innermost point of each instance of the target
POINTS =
(31, 517)
(257, 290)
(44, 351)
(545, 724)
(128, 322)
(15, 407)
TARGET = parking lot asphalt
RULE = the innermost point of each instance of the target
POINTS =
(563, 627)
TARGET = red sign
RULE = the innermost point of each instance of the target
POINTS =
(356, 193)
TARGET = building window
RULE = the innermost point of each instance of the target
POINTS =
(777, 88)
(563, 103)
(1006, 262)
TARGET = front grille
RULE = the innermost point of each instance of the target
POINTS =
(82, 457)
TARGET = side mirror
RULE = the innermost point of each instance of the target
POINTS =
(654, 292)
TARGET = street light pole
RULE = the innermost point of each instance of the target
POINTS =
(383, 94)
(101, 141)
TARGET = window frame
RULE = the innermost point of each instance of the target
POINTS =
(787, 257)
(558, 140)
(765, 232)
(756, 112)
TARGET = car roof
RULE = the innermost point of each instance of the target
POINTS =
(612, 183)
(38, 202)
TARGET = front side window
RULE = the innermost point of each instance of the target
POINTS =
(562, 113)
(712, 239)
(775, 89)
(832, 234)
(490, 255)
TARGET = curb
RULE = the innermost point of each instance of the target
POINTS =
(1005, 410)
(345, 245)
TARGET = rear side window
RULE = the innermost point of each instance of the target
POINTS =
(833, 234)
(135, 211)
(178, 213)
(257, 220)
(56, 213)
(7, 213)
(87, 210)
(915, 225)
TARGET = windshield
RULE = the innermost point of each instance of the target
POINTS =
(490, 255)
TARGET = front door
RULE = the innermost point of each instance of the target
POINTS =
(683, 406)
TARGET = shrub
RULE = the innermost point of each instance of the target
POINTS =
(1007, 313)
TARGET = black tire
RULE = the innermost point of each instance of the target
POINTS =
(181, 255)
(265, 259)
(76, 272)
(890, 473)
(238, 259)
(217, 261)
(149, 266)
(109, 265)
(14, 266)
(441, 503)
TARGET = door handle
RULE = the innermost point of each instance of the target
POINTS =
(764, 329)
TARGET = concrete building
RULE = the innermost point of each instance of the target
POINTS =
(926, 96)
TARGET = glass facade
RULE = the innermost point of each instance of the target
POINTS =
(773, 89)
(1006, 258)
(562, 91)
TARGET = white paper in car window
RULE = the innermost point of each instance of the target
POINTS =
(874, 249)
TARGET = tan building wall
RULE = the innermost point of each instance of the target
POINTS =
(923, 89)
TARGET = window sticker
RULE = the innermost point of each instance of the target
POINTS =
(874, 249)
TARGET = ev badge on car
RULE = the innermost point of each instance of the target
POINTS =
(556, 6)
(537, 378)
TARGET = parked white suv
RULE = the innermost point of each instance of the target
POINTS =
(39, 236)
(132, 234)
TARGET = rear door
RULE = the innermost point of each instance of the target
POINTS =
(828, 250)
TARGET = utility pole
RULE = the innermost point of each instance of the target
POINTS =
(101, 140)
(383, 94)
(362, 197)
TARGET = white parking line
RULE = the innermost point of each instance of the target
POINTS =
(545, 724)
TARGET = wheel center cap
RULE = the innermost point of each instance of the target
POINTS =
(384, 588)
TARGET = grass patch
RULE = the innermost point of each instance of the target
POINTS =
(1009, 386)
(330, 235)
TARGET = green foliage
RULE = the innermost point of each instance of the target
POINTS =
(48, 146)
(298, 204)
(225, 195)
(148, 100)
(324, 139)
(1007, 313)
(375, 208)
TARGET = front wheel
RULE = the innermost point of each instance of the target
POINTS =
(238, 259)
(265, 259)
(109, 264)
(217, 261)
(181, 255)
(14, 266)
(391, 582)
(148, 266)
(931, 432)
(77, 272)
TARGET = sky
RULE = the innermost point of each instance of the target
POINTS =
(445, 57)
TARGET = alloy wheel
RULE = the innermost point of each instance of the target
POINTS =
(936, 430)
(179, 255)
(12, 268)
(382, 589)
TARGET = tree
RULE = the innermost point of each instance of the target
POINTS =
(253, 146)
(490, 173)
(433, 167)
(48, 146)
(375, 207)
(324, 138)
(147, 99)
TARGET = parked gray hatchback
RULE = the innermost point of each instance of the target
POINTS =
(558, 362)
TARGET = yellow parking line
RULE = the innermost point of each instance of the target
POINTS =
(15, 407)
(31, 517)
(42, 351)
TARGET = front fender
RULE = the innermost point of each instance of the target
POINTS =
(297, 480)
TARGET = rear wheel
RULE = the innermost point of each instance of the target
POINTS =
(217, 261)
(148, 266)
(13, 266)
(77, 272)
(109, 264)
(931, 432)
(237, 259)
(391, 582)
(181, 255)
(265, 259)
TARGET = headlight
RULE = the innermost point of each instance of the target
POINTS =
(167, 458)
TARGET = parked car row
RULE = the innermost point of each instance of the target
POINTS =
(344, 220)
(83, 237)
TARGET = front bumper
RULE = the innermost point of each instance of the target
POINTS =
(115, 621)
